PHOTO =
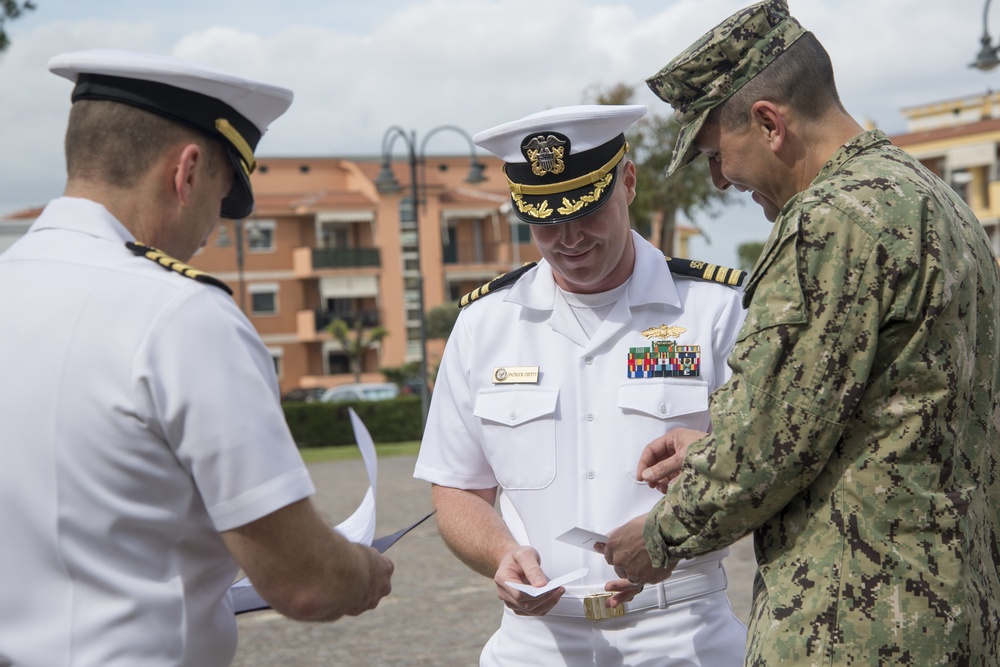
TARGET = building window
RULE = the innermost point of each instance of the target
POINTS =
(960, 181)
(276, 356)
(264, 303)
(263, 299)
(260, 235)
(338, 363)
(223, 240)
(523, 232)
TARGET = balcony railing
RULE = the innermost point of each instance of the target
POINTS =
(338, 258)
(368, 318)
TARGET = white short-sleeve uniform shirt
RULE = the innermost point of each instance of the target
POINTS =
(564, 449)
(139, 417)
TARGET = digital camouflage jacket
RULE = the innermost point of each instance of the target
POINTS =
(858, 437)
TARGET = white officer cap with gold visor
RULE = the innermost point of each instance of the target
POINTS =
(231, 109)
(560, 163)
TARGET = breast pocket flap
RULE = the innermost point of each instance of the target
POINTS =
(514, 407)
(664, 400)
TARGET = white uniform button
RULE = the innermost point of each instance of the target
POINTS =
(590, 416)
(513, 416)
(663, 408)
(591, 474)
(588, 360)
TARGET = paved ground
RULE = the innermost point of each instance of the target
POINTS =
(439, 613)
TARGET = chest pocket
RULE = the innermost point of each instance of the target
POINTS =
(650, 407)
(519, 434)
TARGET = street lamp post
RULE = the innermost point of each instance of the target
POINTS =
(988, 57)
(253, 235)
(409, 219)
(238, 232)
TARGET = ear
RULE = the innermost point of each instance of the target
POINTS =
(188, 168)
(768, 120)
(628, 181)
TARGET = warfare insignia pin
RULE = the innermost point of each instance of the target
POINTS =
(545, 153)
(663, 331)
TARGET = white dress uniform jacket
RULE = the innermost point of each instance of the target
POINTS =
(564, 449)
(139, 417)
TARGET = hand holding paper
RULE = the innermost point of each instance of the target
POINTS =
(535, 591)
(359, 527)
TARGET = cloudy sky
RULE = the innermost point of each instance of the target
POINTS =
(360, 66)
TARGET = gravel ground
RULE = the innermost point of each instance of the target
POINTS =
(439, 612)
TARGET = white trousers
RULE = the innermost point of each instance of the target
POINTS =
(702, 632)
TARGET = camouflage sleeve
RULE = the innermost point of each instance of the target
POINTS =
(799, 367)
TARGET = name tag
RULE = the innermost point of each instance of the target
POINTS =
(515, 375)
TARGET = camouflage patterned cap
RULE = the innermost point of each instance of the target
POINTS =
(717, 65)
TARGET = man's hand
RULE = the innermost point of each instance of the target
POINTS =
(380, 571)
(305, 569)
(623, 589)
(625, 550)
(523, 565)
(662, 459)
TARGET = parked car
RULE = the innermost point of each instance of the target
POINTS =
(304, 395)
(365, 391)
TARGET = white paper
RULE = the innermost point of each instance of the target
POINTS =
(583, 538)
(360, 526)
(535, 591)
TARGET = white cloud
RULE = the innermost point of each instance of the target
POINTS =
(357, 68)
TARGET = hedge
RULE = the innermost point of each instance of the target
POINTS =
(328, 424)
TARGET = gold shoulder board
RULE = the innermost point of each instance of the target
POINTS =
(171, 264)
(706, 271)
(498, 282)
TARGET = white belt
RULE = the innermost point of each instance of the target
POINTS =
(692, 582)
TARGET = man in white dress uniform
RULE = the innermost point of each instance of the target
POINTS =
(551, 387)
(145, 453)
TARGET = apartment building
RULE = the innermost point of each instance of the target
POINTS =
(959, 140)
(324, 243)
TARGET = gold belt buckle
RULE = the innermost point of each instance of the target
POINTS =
(595, 609)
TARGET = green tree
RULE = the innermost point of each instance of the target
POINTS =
(658, 201)
(10, 10)
(749, 253)
(406, 375)
(441, 320)
(355, 346)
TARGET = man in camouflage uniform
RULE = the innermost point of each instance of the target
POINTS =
(858, 436)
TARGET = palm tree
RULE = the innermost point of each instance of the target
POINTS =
(355, 346)
(659, 201)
